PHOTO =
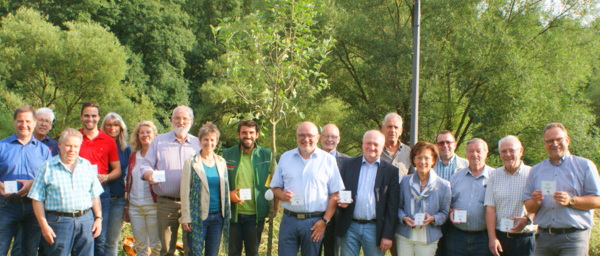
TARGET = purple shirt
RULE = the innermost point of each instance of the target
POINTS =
(167, 154)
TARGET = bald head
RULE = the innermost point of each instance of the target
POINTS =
(372, 145)
(330, 137)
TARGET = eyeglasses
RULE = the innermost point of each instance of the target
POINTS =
(112, 125)
(331, 137)
(441, 143)
(302, 135)
(552, 141)
(512, 151)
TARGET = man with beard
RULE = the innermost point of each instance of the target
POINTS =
(167, 154)
(330, 138)
(249, 168)
(307, 181)
(102, 152)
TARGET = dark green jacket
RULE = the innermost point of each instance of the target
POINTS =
(261, 162)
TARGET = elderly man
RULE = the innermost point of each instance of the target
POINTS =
(369, 221)
(448, 162)
(330, 138)
(63, 192)
(506, 219)
(45, 118)
(562, 191)
(467, 213)
(395, 152)
(102, 152)
(21, 155)
(167, 153)
(307, 181)
(248, 168)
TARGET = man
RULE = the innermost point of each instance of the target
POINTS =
(562, 191)
(248, 168)
(307, 181)
(21, 155)
(45, 118)
(395, 152)
(369, 221)
(330, 138)
(503, 201)
(102, 152)
(468, 192)
(448, 162)
(63, 192)
(167, 153)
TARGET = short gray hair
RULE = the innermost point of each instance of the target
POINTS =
(391, 115)
(186, 108)
(510, 138)
(554, 125)
(46, 111)
(478, 140)
(70, 132)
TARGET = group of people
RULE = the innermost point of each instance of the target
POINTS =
(419, 200)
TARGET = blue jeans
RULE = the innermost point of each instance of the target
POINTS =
(516, 244)
(73, 235)
(360, 235)
(115, 223)
(16, 215)
(245, 232)
(295, 234)
(211, 231)
(459, 242)
(570, 244)
(100, 241)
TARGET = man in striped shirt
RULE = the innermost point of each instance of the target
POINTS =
(448, 162)
(63, 192)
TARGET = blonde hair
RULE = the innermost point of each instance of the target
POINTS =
(121, 139)
(135, 140)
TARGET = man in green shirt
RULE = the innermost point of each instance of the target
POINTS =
(248, 167)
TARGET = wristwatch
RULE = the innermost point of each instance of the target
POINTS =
(572, 201)
(325, 220)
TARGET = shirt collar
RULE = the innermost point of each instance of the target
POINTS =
(174, 137)
(484, 173)
(452, 159)
(313, 155)
(14, 138)
(377, 161)
(560, 161)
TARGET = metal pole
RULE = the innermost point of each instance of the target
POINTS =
(414, 122)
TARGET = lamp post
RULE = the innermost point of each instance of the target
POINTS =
(414, 123)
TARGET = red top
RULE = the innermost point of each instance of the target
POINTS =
(99, 151)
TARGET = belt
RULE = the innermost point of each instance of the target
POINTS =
(303, 216)
(513, 235)
(364, 221)
(472, 232)
(19, 199)
(70, 214)
(116, 197)
(554, 231)
(170, 198)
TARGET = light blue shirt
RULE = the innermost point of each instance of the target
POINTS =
(21, 162)
(468, 193)
(65, 191)
(315, 179)
(445, 171)
(365, 195)
(575, 175)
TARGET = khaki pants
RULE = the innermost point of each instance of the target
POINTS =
(168, 213)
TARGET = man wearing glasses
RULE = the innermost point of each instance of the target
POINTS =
(448, 162)
(307, 181)
(562, 191)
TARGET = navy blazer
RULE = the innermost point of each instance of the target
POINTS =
(386, 195)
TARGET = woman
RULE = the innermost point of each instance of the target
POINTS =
(205, 196)
(114, 126)
(140, 209)
(424, 197)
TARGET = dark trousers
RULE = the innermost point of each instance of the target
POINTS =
(329, 246)
(516, 244)
(246, 232)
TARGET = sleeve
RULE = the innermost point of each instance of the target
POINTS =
(530, 185)
(336, 183)
(489, 191)
(97, 189)
(184, 190)
(391, 210)
(591, 184)
(442, 216)
(149, 162)
(38, 189)
(277, 180)
(401, 211)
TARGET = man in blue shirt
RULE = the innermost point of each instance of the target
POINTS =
(562, 191)
(45, 118)
(20, 157)
(307, 182)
